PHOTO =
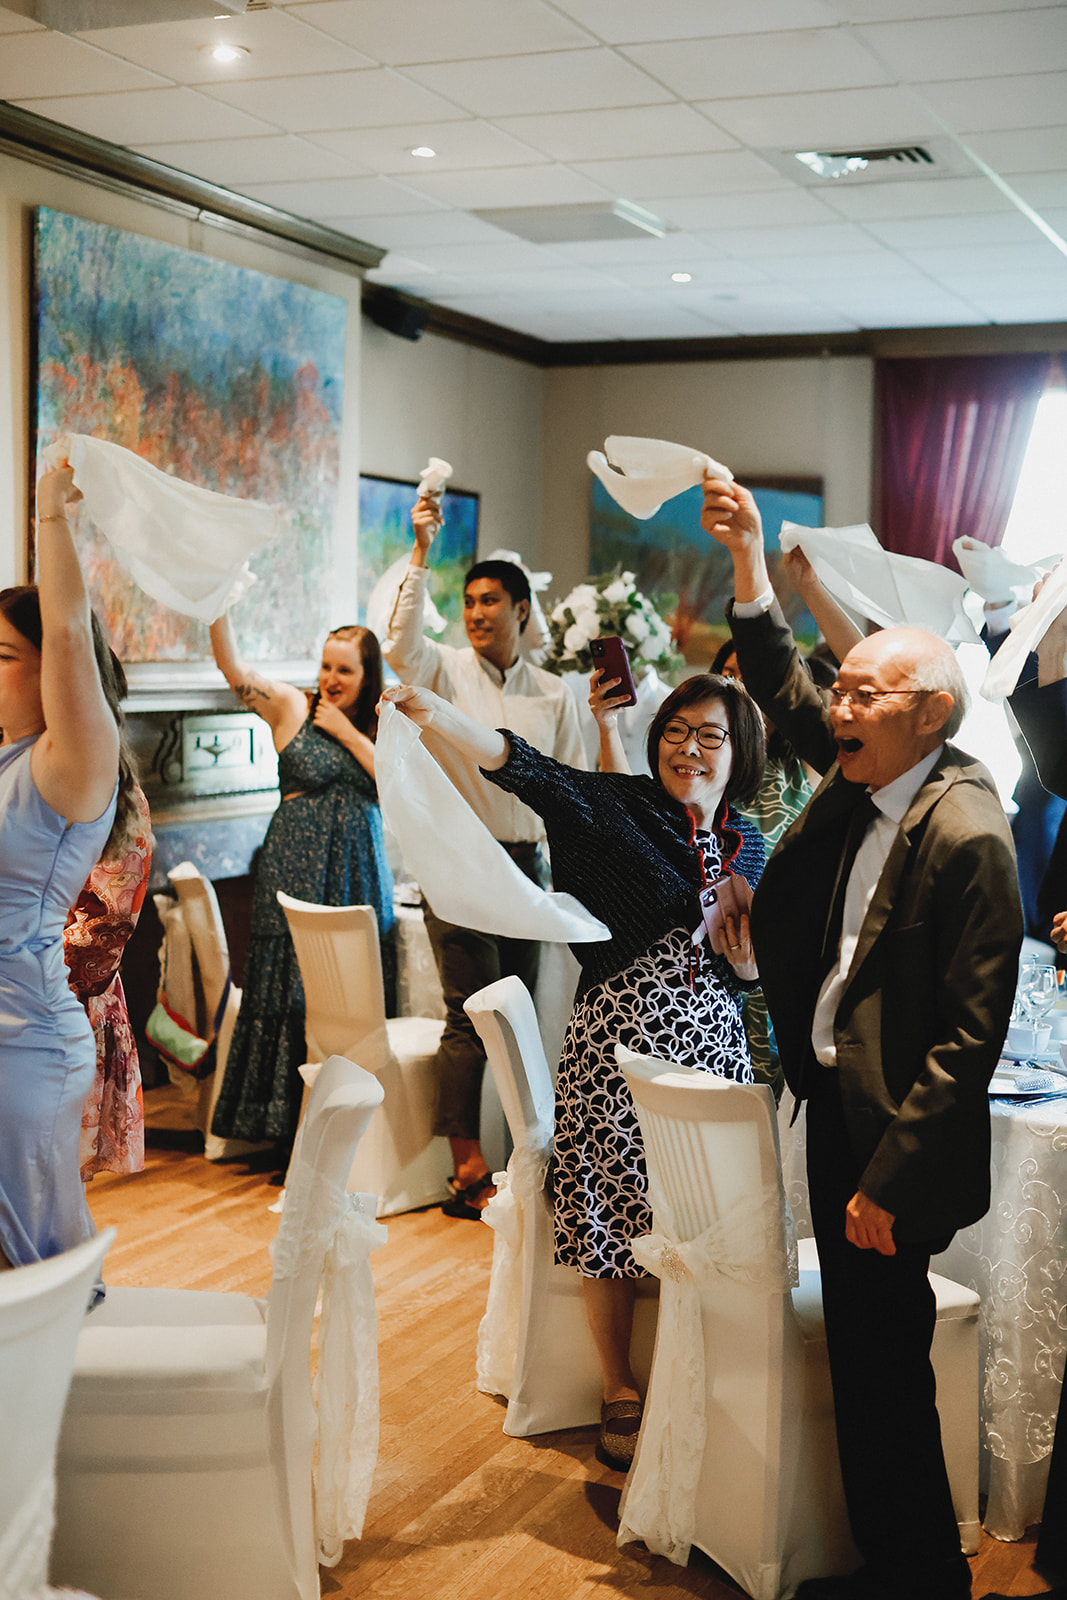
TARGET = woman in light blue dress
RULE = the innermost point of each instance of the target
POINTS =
(59, 765)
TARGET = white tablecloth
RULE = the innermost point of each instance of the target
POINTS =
(1015, 1258)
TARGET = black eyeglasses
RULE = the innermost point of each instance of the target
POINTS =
(708, 736)
(864, 699)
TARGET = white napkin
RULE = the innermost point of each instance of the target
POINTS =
(640, 474)
(466, 876)
(185, 546)
(435, 474)
(886, 588)
(382, 602)
(1027, 628)
(993, 575)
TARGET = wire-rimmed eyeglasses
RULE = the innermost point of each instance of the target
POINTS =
(864, 699)
(709, 736)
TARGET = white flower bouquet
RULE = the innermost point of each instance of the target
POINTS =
(608, 604)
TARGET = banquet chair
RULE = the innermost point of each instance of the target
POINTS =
(400, 1160)
(534, 1344)
(185, 1460)
(42, 1308)
(199, 921)
(740, 1384)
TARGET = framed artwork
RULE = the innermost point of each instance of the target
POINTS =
(385, 537)
(685, 573)
(222, 376)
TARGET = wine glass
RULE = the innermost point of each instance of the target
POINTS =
(1038, 990)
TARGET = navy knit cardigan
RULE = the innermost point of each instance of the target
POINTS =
(623, 847)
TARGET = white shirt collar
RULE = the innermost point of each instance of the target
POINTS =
(893, 799)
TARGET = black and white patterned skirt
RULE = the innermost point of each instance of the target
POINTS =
(600, 1183)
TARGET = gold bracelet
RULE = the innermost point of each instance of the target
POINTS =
(53, 516)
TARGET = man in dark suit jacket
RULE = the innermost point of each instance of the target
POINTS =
(887, 929)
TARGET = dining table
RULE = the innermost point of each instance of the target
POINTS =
(1015, 1258)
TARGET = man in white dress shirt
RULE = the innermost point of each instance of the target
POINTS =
(493, 683)
(887, 928)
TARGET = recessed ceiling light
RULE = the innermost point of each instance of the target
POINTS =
(423, 150)
(225, 54)
(681, 277)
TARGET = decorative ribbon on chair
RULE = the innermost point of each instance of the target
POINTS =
(498, 1331)
(340, 1232)
(346, 1389)
(754, 1244)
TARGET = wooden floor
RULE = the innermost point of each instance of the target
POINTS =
(457, 1508)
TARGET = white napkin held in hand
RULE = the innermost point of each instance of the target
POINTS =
(467, 877)
(435, 474)
(185, 546)
(891, 590)
(640, 474)
(1028, 627)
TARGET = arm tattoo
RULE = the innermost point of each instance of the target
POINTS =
(254, 691)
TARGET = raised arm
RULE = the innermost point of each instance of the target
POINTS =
(481, 746)
(281, 706)
(413, 657)
(75, 762)
(835, 625)
(605, 707)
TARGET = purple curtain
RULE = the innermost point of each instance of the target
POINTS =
(952, 434)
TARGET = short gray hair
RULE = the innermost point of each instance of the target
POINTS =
(940, 673)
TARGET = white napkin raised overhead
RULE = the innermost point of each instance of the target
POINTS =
(435, 474)
(640, 474)
(467, 877)
(185, 546)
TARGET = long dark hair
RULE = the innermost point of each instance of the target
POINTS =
(747, 735)
(22, 608)
(364, 714)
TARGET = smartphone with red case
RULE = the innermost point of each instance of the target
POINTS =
(610, 659)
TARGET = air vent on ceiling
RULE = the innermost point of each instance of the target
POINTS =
(845, 163)
(79, 16)
(886, 163)
(577, 224)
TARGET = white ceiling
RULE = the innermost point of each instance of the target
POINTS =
(683, 106)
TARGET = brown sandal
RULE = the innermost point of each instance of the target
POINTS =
(620, 1423)
(463, 1201)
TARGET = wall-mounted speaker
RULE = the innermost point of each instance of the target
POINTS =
(395, 315)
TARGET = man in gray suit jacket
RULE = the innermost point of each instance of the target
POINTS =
(887, 930)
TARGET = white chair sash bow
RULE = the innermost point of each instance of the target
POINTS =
(498, 1331)
(752, 1244)
(346, 1389)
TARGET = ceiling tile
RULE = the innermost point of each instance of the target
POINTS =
(778, 208)
(933, 233)
(574, 80)
(1042, 189)
(483, 258)
(907, 10)
(235, 163)
(807, 317)
(458, 145)
(760, 64)
(1024, 149)
(434, 227)
(836, 119)
(823, 239)
(138, 116)
(675, 252)
(517, 314)
(340, 197)
(825, 273)
(1011, 260)
(976, 105)
(659, 177)
(308, 104)
(47, 65)
(277, 44)
(637, 131)
(643, 317)
(445, 30)
(708, 277)
(507, 186)
(939, 48)
(1008, 306)
(927, 197)
(633, 21)
(929, 310)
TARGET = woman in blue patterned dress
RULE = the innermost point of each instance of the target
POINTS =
(59, 766)
(324, 845)
(636, 852)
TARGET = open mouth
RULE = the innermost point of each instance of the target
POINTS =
(849, 747)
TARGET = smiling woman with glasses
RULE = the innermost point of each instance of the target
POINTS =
(709, 736)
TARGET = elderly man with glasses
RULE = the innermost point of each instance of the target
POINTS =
(887, 928)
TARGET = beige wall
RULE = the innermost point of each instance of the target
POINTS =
(24, 185)
(808, 417)
(479, 411)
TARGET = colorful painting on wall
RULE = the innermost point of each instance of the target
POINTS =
(385, 536)
(225, 377)
(686, 574)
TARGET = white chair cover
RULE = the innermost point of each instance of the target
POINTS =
(517, 1189)
(750, 1245)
